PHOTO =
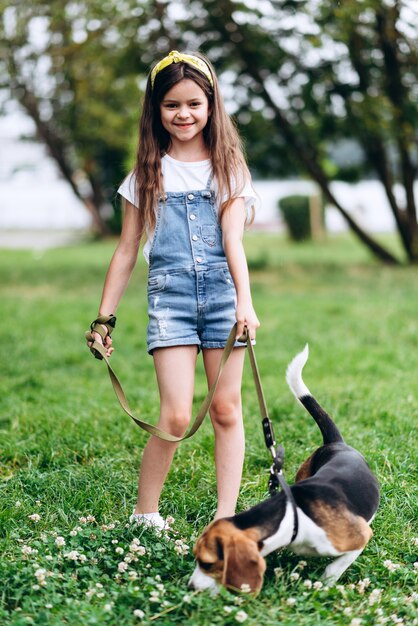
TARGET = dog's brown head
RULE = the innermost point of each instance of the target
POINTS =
(231, 556)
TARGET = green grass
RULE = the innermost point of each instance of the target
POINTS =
(69, 451)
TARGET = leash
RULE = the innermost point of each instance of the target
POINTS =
(276, 474)
(100, 353)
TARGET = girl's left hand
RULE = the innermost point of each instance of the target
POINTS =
(246, 316)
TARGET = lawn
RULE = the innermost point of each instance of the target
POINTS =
(69, 455)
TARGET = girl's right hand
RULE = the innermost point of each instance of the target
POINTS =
(107, 343)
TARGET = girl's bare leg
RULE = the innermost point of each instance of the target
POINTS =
(226, 416)
(175, 368)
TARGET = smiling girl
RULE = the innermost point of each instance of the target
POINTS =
(189, 195)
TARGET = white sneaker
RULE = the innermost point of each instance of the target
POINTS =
(152, 520)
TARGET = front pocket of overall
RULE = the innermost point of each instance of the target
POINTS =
(157, 283)
(209, 234)
(227, 278)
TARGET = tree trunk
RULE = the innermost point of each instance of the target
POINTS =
(58, 150)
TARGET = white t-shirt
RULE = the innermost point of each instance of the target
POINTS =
(181, 176)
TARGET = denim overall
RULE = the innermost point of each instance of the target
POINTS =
(191, 294)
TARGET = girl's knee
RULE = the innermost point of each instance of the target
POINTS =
(225, 414)
(175, 422)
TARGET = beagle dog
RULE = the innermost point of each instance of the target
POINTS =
(335, 495)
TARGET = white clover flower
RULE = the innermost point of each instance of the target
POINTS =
(302, 564)
(122, 567)
(38, 502)
(108, 607)
(375, 596)
(90, 593)
(91, 518)
(278, 571)
(101, 550)
(307, 583)
(241, 616)
(362, 585)
(414, 540)
(132, 575)
(154, 598)
(49, 557)
(291, 601)
(317, 584)
(139, 613)
(340, 588)
(35, 587)
(99, 585)
(82, 558)
(356, 621)
(228, 609)
(390, 566)
(72, 556)
(73, 533)
(396, 620)
(82, 520)
(160, 587)
(115, 541)
(187, 599)
(40, 574)
(101, 594)
(348, 610)
(415, 565)
(48, 606)
(169, 519)
(26, 550)
(35, 517)
(294, 576)
(60, 541)
(119, 550)
(158, 578)
(18, 504)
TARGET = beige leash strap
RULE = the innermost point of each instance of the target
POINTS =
(154, 430)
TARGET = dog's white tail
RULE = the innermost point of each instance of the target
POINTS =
(294, 374)
(330, 432)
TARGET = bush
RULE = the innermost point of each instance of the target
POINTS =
(295, 211)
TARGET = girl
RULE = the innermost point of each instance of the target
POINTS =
(189, 193)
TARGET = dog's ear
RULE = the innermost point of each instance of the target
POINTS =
(209, 550)
(244, 566)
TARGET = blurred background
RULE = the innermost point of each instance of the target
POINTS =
(324, 93)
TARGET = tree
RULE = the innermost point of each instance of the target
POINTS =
(61, 62)
(327, 71)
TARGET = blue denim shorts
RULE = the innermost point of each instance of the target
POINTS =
(189, 307)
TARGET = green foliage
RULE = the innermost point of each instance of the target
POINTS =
(69, 452)
(295, 211)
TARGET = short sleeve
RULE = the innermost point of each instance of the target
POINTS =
(247, 192)
(128, 189)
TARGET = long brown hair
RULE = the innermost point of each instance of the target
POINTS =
(229, 166)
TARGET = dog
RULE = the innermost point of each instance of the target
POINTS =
(336, 497)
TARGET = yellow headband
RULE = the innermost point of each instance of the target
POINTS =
(179, 57)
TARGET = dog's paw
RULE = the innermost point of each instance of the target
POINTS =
(200, 581)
